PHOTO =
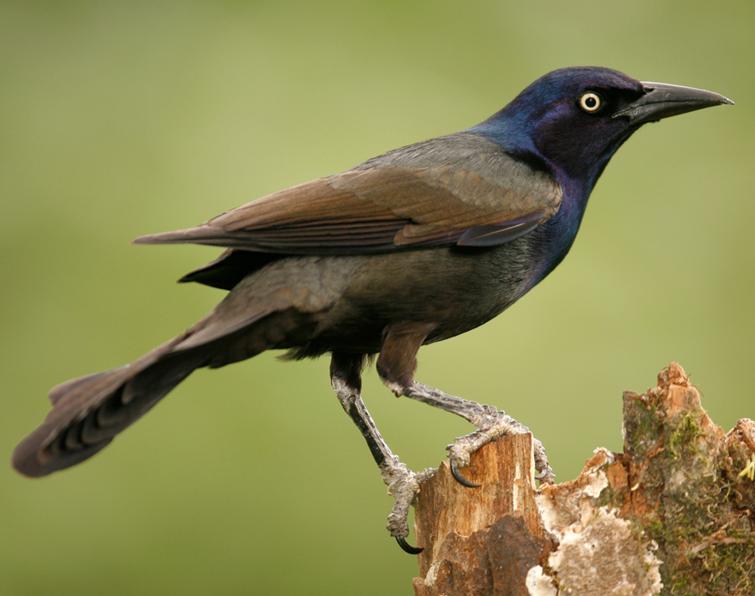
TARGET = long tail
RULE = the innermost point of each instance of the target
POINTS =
(89, 412)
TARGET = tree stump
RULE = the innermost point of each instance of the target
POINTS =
(672, 514)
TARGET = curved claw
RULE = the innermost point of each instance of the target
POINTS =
(460, 477)
(408, 548)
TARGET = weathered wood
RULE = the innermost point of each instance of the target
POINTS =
(456, 524)
(674, 513)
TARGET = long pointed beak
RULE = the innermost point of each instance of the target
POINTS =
(662, 100)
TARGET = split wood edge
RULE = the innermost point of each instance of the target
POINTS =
(673, 513)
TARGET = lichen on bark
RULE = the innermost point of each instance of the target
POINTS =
(673, 514)
(685, 490)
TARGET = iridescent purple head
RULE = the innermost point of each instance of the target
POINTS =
(574, 119)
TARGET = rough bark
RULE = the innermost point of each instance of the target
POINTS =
(672, 514)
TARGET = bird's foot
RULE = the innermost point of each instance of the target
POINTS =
(493, 423)
(403, 485)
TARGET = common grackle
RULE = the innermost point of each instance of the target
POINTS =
(411, 247)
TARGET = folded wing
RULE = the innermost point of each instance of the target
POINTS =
(388, 205)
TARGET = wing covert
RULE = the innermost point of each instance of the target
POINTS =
(406, 199)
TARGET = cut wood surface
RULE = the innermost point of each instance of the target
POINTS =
(672, 514)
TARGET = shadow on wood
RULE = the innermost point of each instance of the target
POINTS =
(672, 514)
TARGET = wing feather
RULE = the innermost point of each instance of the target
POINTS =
(391, 203)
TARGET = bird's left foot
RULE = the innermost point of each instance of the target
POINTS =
(491, 424)
(403, 485)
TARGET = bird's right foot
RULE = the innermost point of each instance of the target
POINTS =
(493, 423)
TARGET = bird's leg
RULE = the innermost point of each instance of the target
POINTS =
(402, 483)
(396, 366)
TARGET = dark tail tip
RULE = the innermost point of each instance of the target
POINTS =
(34, 458)
(88, 412)
(24, 461)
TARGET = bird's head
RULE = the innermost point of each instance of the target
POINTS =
(575, 119)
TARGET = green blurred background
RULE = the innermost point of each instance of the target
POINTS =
(126, 118)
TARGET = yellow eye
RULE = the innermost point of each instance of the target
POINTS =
(590, 102)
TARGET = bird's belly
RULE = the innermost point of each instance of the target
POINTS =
(453, 289)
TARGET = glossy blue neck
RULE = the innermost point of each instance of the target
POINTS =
(512, 136)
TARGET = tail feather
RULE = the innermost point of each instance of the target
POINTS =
(88, 412)
(56, 393)
(263, 311)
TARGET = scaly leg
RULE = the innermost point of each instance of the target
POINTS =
(402, 483)
(396, 366)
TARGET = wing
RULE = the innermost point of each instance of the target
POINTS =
(461, 190)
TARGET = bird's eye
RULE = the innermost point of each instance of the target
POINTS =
(590, 102)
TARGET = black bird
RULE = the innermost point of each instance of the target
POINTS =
(415, 246)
